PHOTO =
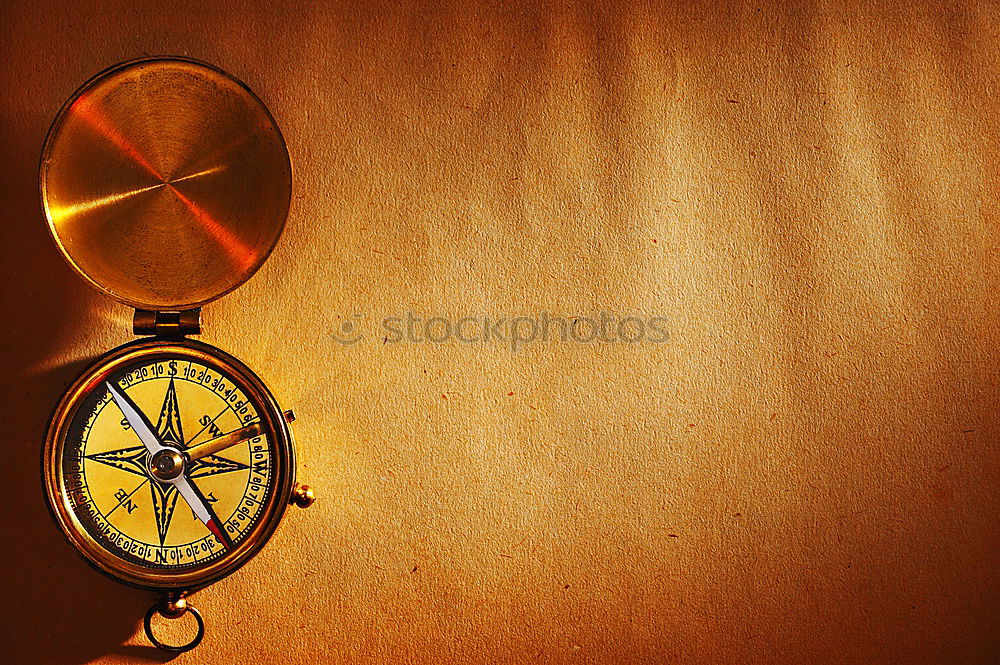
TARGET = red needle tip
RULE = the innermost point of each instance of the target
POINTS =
(223, 537)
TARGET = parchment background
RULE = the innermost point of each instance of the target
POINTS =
(805, 472)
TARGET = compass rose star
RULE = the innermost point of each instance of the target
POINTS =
(132, 459)
(212, 465)
(164, 501)
(135, 460)
(168, 428)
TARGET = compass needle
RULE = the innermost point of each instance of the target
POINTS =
(163, 464)
(220, 443)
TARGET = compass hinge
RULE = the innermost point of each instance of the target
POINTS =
(167, 324)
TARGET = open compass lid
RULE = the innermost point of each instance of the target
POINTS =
(165, 183)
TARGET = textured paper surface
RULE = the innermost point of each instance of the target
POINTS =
(805, 472)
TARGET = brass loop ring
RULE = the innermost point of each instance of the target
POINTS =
(157, 608)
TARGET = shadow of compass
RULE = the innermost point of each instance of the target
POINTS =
(56, 608)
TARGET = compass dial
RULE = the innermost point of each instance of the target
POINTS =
(169, 462)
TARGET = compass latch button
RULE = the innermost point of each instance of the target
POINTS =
(302, 496)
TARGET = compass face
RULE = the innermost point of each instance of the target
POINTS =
(169, 462)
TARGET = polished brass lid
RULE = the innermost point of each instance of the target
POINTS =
(165, 182)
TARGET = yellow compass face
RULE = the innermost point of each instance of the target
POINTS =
(168, 463)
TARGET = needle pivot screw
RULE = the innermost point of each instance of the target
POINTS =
(166, 464)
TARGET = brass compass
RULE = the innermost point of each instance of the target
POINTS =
(168, 463)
